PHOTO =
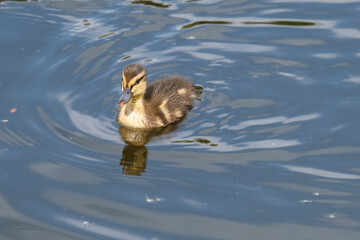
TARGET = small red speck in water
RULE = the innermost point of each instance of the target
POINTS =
(122, 104)
(13, 110)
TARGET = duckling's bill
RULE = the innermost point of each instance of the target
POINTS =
(125, 96)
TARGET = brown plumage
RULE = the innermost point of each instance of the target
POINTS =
(161, 103)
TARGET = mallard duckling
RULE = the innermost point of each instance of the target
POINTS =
(161, 103)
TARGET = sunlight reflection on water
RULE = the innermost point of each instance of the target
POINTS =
(321, 173)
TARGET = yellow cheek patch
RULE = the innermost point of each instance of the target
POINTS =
(139, 89)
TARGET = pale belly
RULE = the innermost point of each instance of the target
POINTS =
(132, 119)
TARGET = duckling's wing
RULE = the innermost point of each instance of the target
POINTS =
(168, 99)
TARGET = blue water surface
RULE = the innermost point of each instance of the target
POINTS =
(270, 150)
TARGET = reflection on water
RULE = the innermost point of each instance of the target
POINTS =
(135, 153)
(134, 159)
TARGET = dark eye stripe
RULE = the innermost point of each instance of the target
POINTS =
(138, 81)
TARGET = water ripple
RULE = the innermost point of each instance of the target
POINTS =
(321, 173)
(272, 120)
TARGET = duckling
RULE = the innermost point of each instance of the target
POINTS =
(160, 103)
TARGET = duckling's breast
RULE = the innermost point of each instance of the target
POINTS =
(133, 116)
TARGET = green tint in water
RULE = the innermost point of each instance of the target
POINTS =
(197, 23)
(106, 35)
(151, 3)
(202, 140)
(124, 58)
(282, 23)
(183, 141)
(199, 89)
(198, 140)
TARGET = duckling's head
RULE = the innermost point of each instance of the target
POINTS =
(133, 82)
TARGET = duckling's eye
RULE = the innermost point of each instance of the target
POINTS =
(139, 80)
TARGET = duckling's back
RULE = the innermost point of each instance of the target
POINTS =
(167, 100)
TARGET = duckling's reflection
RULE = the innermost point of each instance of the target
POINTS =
(135, 153)
(134, 159)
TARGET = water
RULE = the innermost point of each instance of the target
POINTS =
(270, 150)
